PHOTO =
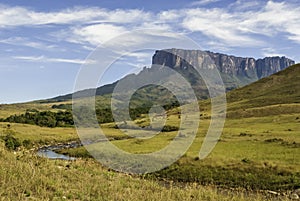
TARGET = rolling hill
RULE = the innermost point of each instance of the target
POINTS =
(276, 94)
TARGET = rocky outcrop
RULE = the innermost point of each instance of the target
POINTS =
(271, 65)
(241, 70)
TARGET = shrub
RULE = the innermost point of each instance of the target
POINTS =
(168, 128)
(274, 140)
(11, 143)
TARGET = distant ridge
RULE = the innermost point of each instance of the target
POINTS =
(235, 71)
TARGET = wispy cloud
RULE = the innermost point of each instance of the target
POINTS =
(44, 59)
(229, 26)
(246, 5)
(141, 58)
(271, 51)
(221, 25)
(19, 16)
(242, 28)
(21, 41)
(276, 18)
(203, 2)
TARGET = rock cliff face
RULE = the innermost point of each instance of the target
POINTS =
(238, 70)
(271, 65)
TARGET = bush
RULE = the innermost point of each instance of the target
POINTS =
(168, 128)
(11, 143)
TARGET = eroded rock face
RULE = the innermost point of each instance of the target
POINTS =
(241, 70)
(271, 65)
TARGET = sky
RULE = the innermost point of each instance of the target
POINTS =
(44, 43)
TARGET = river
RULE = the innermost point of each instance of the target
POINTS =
(49, 151)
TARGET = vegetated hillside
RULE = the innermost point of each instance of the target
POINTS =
(100, 91)
(276, 94)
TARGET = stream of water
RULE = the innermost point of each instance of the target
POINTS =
(49, 151)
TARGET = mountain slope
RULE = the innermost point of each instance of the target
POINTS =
(276, 94)
(282, 87)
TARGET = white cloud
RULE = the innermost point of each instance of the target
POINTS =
(277, 18)
(137, 67)
(246, 5)
(141, 58)
(51, 60)
(98, 34)
(19, 16)
(30, 58)
(235, 26)
(127, 16)
(269, 52)
(203, 2)
(216, 46)
(155, 26)
(295, 36)
(169, 15)
(282, 17)
(219, 24)
(21, 41)
(140, 55)
(241, 28)
(95, 34)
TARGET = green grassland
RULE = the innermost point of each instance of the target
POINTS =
(7, 110)
(25, 176)
(259, 149)
(38, 135)
(255, 153)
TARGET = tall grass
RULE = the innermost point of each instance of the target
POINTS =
(24, 176)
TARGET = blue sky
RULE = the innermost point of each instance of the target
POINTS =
(44, 43)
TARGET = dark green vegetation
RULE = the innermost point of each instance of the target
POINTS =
(139, 104)
(247, 174)
(11, 142)
(44, 118)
